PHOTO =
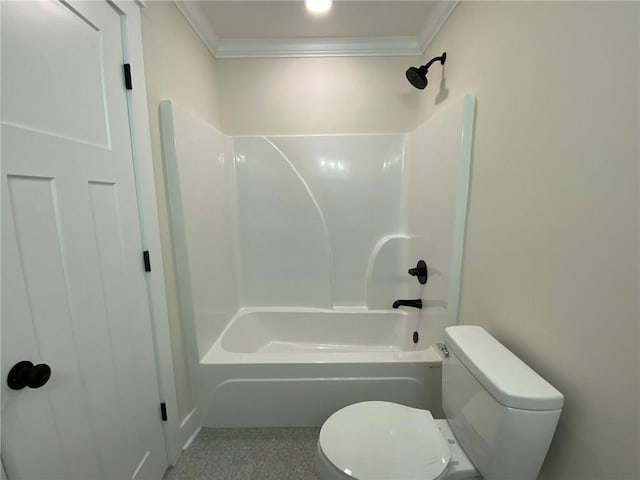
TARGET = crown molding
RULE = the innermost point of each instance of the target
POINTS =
(314, 47)
(197, 19)
(434, 23)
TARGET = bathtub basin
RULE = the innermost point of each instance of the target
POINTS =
(315, 335)
(291, 367)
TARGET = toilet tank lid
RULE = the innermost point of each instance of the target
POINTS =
(509, 380)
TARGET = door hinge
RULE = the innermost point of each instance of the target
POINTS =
(163, 411)
(127, 77)
(147, 261)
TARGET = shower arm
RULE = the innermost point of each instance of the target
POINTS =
(442, 58)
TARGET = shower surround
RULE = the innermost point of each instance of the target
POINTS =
(290, 251)
(310, 211)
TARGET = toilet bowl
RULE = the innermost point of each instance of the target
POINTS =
(384, 440)
(500, 419)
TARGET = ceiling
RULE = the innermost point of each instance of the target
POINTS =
(284, 28)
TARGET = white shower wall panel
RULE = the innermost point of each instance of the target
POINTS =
(438, 162)
(356, 180)
(201, 185)
(311, 211)
(284, 244)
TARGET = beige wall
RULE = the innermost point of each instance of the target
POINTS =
(178, 67)
(551, 258)
(316, 95)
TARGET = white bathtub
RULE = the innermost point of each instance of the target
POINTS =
(295, 367)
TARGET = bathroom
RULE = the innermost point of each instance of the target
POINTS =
(549, 254)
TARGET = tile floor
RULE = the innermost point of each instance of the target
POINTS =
(249, 454)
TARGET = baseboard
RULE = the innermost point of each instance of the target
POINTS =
(189, 428)
(191, 438)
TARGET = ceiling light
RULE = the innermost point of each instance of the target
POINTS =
(318, 6)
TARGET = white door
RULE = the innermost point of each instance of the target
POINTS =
(73, 287)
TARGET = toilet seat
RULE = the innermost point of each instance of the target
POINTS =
(384, 440)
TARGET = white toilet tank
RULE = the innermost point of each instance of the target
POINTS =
(502, 412)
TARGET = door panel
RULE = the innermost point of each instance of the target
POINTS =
(77, 42)
(34, 291)
(73, 287)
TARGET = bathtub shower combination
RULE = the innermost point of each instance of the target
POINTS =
(291, 251)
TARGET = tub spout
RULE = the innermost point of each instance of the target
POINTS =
(408, 303)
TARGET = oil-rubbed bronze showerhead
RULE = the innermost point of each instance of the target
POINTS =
(417, 76)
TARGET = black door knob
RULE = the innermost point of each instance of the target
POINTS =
(420, 271)
(26, 374)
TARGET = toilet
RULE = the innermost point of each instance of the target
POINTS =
(500, 419)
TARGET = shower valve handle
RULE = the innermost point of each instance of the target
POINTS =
(420, 271)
